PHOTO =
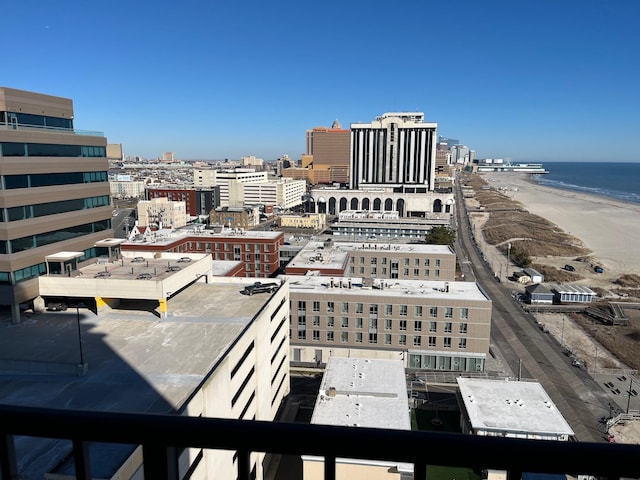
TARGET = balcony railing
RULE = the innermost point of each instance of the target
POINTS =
(40, 128)
(162, 436)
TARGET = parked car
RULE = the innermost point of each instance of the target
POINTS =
(56, 306)
(569, 268)
(102, 275)
(184, 259)
(259, 287)
(137, 260)
(144, 276)
(173, 268)
(598, 269)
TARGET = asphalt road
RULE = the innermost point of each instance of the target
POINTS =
(528, 351)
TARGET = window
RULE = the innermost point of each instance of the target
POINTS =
(316, 306)
(373, 338)
(405, 272)
(388, 324)
(373, 310)
(418, 311)
(416, 262)
(302, 320)
(402, 340)
(361, 260)
(417, 341)
(417, 326)
(359, 308)
(426, 272)
(330, 336)
(437, 262)
(406, 261)
(403, 324)
(302, 306)
(330, 307)
(374, 271)
(316, 335)
(302, 334)
(462, 343)
(344, 337)
(384, 260)
(315, 320)
(387, 339)
(426, 262)
(361, 270)
(432, 341)
(447, 342)
(330, 321)
(448, 312)
(463, 328)
(464, 313)
(352, 270)
(345, 307)
(388, 309)
(433, 326)
(433, 312)
(345, 322)
(416, 272)
(448, 327)
(374, 260)
(403, 310)
(358, 337)
(436, 274)
(359, 322)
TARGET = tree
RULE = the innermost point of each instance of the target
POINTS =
(440, 235)
(520, 256)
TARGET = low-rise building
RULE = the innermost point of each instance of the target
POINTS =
(432, 325)
(385, 224)
(359, 393)
(308, 221)
(161, 212)
(375, 260)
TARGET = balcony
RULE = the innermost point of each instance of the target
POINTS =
(39, 128)
(162, 437)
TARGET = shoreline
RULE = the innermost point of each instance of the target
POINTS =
(609, 228)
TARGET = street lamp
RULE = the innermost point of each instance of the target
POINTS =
(81, 364)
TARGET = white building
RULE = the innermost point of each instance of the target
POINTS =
(397, 149)
(162, 212)
(285, 193)
(127, 189)
(506, 408)
(366, 393)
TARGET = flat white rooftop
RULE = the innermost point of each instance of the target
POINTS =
(511, 406)
(345, 287)
(363, 393)
(168, 236)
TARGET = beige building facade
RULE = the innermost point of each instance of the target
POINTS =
(55, 193)
(162, 213)
(431, 325)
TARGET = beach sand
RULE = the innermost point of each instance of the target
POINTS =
(609, 228)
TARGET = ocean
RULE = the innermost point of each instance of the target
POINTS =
(617, 180)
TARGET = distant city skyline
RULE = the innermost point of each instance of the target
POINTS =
(523, 81)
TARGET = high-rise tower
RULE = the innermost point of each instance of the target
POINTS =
(396, 149)
(54, 194)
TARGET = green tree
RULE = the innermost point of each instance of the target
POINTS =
(520, 256)
(440, 235)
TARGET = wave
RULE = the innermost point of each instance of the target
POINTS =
(603, 192)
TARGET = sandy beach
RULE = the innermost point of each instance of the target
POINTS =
(609, 228)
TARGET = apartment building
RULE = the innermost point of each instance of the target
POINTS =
(329, 150)
(161, 212)
(431, 325)
(199, 200)
(55, 191)
(258, 251)
(375, 260)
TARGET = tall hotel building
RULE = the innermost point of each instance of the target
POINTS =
(54, 192)
(395, 150)
(329, 148)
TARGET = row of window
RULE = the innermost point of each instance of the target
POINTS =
(47, 238)
(417, 325)
(51, 179)
(387, 309)
(36, 120)
(18, 149)
(395, 262)
(386, 339)
(51, 208)
(373, 271)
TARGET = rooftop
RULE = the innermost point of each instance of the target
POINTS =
(356, 286)
(167, 236)
(515, 406)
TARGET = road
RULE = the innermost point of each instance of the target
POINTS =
(527, 350)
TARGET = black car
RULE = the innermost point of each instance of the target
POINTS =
(569, 268)
(56, 306)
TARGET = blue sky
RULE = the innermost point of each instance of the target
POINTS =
(526, 80)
